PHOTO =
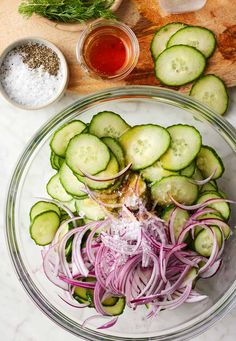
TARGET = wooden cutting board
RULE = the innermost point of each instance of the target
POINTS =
(145, 17)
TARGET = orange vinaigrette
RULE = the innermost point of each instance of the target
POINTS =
(109, 50)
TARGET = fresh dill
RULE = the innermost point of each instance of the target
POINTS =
(68, 11)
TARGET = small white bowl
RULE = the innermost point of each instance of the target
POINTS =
(63, 66)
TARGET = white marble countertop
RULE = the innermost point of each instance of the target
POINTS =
(20, 319)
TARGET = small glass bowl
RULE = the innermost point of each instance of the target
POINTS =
(132, 48)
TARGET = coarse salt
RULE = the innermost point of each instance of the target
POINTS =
(25, 86)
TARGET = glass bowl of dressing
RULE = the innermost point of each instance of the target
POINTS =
(108, 49)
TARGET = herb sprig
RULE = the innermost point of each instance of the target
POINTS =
(67, 10)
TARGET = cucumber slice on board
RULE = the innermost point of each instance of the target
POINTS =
(211, 90)
(189, 170)
(208, 161)
(203, 243)
(179, 65)
(221, 206)
(108, 123)
(43, 206)
(155, 172)
(144, 144)
(111, 170)
(63, 135)
(178, 186)
(116, 149)
(199, 37)
(181, 217)
(56, 190)
(90, 209)
(88, 153)
(44, 227)
(162, 37)
(185, 144)
(70, 182)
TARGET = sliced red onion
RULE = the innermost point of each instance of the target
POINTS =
(50, 272)
(212, 270)
(99, 202)
(89, 251)
(196, 299)
(205, 181)
(58, 203)
(109, 324)
(94, 178)
(201, 205)
(171, 225)
(95, 317)
(76, 283)
(72, 302)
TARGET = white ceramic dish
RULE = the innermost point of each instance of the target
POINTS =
(64, 69)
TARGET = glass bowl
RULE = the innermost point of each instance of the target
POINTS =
(138, 105)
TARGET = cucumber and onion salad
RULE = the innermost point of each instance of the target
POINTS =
(180, 53)
(136, 216)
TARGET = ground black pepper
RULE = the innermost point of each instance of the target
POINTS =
(36, 55)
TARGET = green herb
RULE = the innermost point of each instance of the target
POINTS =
(67, 10)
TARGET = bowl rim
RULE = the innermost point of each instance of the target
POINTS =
(189, 329)
(64, 67)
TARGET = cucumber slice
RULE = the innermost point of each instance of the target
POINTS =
(44, 227)
(179, 65)
(111, 170)
(144, 144)
(81, 293)
(189, 170)
(226, 229)
(199, 37)
(90, 209)
(56, 190)
(107, 123)
(180, 220)
(210, 186)
(63, 135)
(190, 277)
(185, 145)
(43, 206)
(203, 243)
(180, 188)
(215, 215)
(56, 161)
(155, 172)
(116, 309)
(212, 215)
(162, 36)
(116, 149)
(70, 205)
(88, 153)
(222, 207)
(209, 161)
(197, 175)
(70, 182)
(110, 301)
(211, 90)
(84, 295)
